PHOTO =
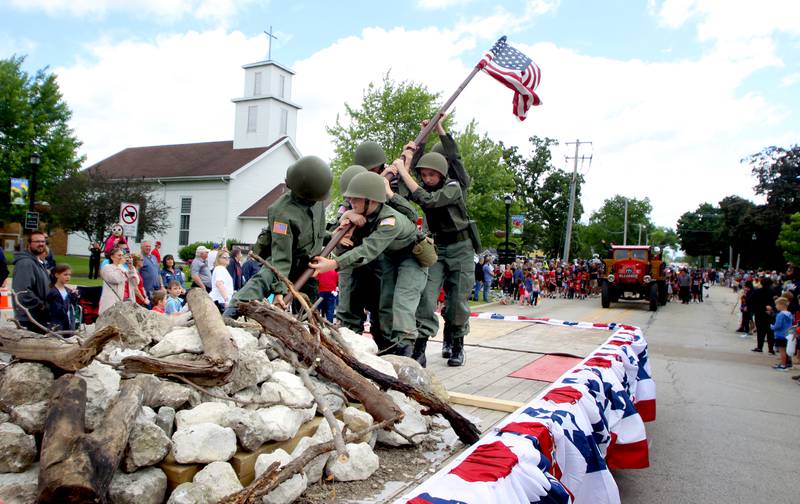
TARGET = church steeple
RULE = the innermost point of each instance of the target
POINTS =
(266, 112)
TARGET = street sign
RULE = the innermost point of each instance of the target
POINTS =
(129, 218)
(517, 224)
(31, 220)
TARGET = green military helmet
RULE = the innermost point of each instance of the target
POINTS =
(369, 155)
(367, 185)
(438, 148)
(348, 174)
(433, 161)
(310, 178)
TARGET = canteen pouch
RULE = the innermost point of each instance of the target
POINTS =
(425, 252)
(474, 237)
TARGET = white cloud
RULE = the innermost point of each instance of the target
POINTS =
(791, 79)
(440, 4)
(671, 131)
(13, 45)
(164, 10)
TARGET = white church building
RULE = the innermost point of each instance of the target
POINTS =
(219, 190)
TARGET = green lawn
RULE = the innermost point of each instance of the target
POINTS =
(79, 265)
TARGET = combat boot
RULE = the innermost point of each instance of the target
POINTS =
(447, 346)
(404, 349)
(419, 351)
(458, 355)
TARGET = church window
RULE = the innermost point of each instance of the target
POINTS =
(284, 121)
(186, 210)
(257, 84)
(252, 118)
(282, 86)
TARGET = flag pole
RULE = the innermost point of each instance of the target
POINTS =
(423, 134)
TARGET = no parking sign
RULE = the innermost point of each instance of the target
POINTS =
(129, 218)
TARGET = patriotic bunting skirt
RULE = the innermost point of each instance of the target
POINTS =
(558, 448)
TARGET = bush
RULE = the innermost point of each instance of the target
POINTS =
(188, 252)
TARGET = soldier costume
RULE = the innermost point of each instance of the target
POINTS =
(388, 237)
(294, 235)
(446, 217)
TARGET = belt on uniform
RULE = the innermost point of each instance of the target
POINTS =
(450, 238)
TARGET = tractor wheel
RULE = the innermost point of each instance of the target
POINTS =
(605, 294)
(654, 297)
(662, 293)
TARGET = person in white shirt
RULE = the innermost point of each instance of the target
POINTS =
(221, 281)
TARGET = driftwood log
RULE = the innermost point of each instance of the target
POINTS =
(75, 466)
(220, 354)
(294, 336)
(66, 355)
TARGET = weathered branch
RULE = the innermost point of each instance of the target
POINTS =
(66, 355)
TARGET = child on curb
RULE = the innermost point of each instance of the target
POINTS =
(783, 321)
(174, 302)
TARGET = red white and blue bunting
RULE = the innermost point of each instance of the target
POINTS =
(558, 448)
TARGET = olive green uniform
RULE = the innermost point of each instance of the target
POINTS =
(293, 237)
(388, 237)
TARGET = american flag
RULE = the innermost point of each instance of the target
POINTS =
(516, 71)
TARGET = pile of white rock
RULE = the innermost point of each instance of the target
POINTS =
(263, 402)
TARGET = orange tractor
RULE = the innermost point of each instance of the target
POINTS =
(634, 272)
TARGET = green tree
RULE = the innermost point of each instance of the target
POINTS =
(608, 223)
(701, 232)
(33, 118)
(664, 237)
(777, 172)
(789, 239)
(88, 203)
(491, 180)
(390, 113)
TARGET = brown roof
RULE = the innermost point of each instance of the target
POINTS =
(259, 208)
(183, 160)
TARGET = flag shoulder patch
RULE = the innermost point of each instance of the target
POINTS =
(279, 227)
(388, 221)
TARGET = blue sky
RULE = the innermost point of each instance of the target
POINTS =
(673, 93)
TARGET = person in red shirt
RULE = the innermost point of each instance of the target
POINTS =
(157, 252)
(327, 292)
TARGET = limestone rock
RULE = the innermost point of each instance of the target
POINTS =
(252, 393)
(358, 342)
(25, 383)
(220, 478)
(377, 363)
(191, 493)
(209, 412)
(102, 386)
(323, 434)
(253, 367)
(287, 491)
(360, 464)
(179, 340)
(146, 415)
(30, 417)
(282, 365)
(201, 397)
(17, 448)
(357, 420)
(173, 395)
(250, 429)
(281, 422)
(411, 373)
(4, 417)
(148, 444)
(147, 486)
(203, 443)
(20, 488)
(139, 326)
(316, 467)
(307, 414)
(291, 390)
(330, 392)
(413, 422)
(116, 355)
(165, 419)
(243, 339)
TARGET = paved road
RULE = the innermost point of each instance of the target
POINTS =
(728, 426)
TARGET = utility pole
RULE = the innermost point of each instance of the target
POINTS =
(572, 185)
(640, 235)
(625, 229)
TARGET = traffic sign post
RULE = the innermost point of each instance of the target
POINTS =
(31, 220)
(129, 218)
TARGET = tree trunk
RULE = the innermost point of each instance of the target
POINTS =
(220, 354)
(65, 355)
(296, 338)
(75, 466)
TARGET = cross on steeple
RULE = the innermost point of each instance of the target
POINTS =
(270, 36)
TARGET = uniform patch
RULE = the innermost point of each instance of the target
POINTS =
(280, 228)
(388, 221)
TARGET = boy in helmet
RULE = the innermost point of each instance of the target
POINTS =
(388, 237)
(442, 200)
(294, 235)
